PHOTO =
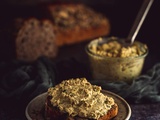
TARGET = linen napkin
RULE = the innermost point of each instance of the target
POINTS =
(145, 88)
(20, 82)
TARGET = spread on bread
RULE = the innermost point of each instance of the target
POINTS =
(75, 23)
(78, 97)
(75, 15)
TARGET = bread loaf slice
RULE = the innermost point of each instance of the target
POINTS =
(75, 23)
(34, 38)
(77, 99)
(53, 113)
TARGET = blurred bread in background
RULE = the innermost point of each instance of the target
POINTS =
(32, 31)
(35, 38)
(75, 23)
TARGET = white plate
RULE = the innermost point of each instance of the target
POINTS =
(35, 108)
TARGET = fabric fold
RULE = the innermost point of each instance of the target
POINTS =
(145, 88)
(20, 80)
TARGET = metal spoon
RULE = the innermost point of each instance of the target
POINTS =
(139, 20)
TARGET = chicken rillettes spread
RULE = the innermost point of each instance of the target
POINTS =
(113, 59)
(116, 49)
(78, 97)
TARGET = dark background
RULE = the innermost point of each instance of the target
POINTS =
(71, 60)
(121, 14)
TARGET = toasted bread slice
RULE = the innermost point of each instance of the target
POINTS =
(53, 113)
(77, 99)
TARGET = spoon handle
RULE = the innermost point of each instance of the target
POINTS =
(139, 19)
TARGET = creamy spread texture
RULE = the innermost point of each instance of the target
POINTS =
(115, 49)
(78, 97)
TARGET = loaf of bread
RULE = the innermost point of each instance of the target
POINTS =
(34, 38)
(77, 99)
(62, 24)
(75, 23)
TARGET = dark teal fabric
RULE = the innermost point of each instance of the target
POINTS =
(21, 81)
(144, 89)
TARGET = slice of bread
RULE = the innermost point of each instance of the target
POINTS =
(53, 113)
(34, 38)
(111, 113)
(75, 23)
(77, 99)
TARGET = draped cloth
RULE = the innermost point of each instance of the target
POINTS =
(145, 88)
(21, 81)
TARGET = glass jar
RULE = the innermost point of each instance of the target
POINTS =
(111, 67)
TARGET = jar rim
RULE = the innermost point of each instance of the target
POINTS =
(101, 40)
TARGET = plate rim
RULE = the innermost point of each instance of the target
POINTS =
(103, 91)
(126, 103)
(27, 107)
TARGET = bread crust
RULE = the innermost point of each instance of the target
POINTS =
(80, 27)
(53, 113)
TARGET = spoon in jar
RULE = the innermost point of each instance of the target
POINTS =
(138, 21)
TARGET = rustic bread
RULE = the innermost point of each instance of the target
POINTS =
(62, 24)
(34, 38)
(75, 23)
(57, 106)
(53, 113)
